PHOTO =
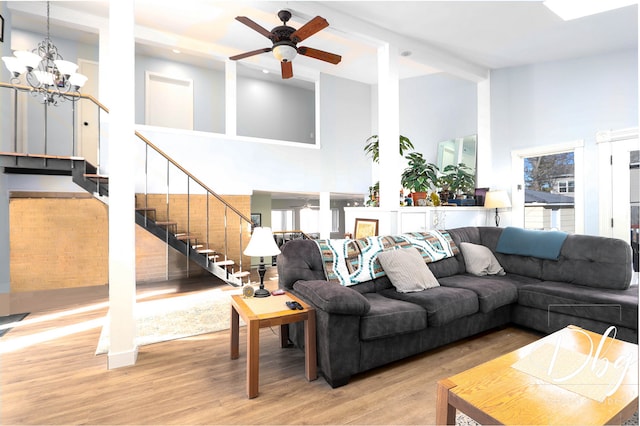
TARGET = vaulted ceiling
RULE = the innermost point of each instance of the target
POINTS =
(464, 38)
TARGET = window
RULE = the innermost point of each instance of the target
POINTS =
(549, 189)
(309, 220)
(565, 186)
(535, 201)
(335, 220)
(282, 220)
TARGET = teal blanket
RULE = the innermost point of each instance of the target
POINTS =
(530, 242)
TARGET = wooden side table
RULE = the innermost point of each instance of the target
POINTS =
(268, 312)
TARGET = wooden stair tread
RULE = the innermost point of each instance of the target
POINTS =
(56, 157)
(184, 237)
(94, 176)
(241, 274)
(224, 262)
(206, 251)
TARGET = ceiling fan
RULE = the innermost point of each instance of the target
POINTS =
(306, 205)
(285, 40)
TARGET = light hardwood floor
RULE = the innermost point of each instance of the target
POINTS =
(49, 377)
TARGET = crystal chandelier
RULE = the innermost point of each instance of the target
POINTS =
(49, 75)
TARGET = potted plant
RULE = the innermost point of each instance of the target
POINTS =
(458, 179)
(374, 197)
(419, 177)
(373, 147)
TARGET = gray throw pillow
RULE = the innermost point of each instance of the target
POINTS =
(479, 260)
(407, 270)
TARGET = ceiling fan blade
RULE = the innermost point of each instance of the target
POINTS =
(287, 69)
(320, 54)
(247, 54)
(310, 28)
(257, 27)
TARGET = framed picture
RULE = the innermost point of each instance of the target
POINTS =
(256, 218)
(366, 228)
(1, 29)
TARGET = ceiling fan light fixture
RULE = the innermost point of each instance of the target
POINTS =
(284, 52)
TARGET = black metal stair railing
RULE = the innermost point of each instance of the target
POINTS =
(171, 203)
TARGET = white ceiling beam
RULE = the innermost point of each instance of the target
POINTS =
(421, 52)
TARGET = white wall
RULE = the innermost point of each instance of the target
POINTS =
(556, 102)
(276, 110)
(241, 165)
(435, 108)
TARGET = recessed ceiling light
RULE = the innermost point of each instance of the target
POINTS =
(176, 51)
(574, 9)
(265, 71)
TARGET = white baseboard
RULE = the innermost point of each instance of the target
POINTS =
(122, 359)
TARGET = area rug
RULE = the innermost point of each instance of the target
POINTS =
(8, 322)
(177, 317)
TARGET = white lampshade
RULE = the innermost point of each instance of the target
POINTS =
(78, 80)
(262, 243)
(28, 59)
(284, 52)
(66, 68)
(44, 77)
(496, 199)
(14, 65)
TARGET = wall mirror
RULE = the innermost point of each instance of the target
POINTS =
(458, 150)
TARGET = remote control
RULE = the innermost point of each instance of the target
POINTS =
(278, 292)
(292, 304)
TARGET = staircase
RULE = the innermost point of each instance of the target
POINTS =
(215, 255)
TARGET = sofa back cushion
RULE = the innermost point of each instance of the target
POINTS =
(592, 261)
(299, 260)
(587, 260)
(455, 265)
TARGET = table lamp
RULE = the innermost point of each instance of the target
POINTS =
(496, 200)
(261, 244)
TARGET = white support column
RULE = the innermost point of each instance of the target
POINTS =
(122, 248)
(325, 215)
(484, 171)
(389, 126)
(230, 97)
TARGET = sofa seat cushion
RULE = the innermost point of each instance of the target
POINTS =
(615, 307)
(389, 317)
(443, 304)
(493, 291)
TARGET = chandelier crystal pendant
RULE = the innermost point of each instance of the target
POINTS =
(44, 69)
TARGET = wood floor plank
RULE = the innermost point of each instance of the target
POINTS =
(193, 381)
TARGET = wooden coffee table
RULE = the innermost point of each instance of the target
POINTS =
(268, 312)
(498, 393)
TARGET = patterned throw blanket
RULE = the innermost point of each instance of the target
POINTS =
(351, 262)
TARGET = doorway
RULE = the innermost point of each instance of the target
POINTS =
(88, 124)
(619, 210)
(168, 102)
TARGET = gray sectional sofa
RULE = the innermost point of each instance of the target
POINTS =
(369, 324)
